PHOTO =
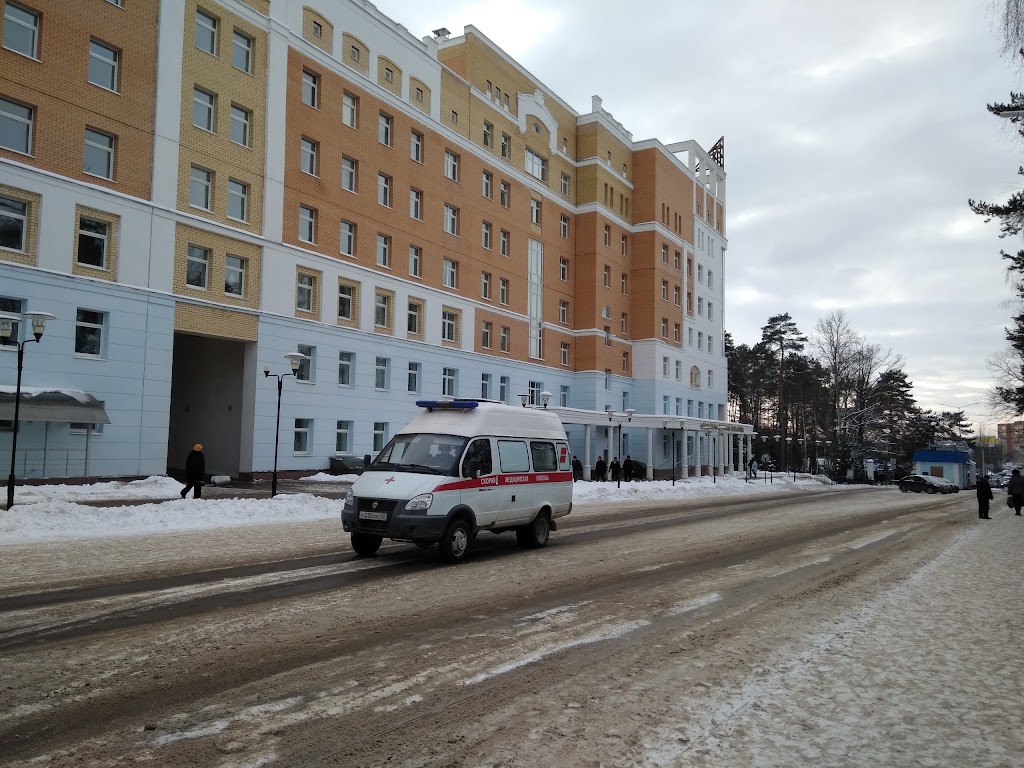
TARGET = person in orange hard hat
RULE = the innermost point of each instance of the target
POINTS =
(195, 471)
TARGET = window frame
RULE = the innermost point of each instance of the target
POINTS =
(34, 29)
(29, 123)
(192, 257)
(238, 269)
(108, 152)
(114, 65)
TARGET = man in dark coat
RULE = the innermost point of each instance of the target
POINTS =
(195, 471)
(577, 469)
(616, 469)
(1015, 490)
(627, 468)
(984, 491)
(600, 469)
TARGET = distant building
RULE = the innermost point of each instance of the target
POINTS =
(1011, 435)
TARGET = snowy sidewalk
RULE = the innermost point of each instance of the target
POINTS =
(931, 673)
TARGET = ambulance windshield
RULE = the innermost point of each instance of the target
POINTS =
(425, 453)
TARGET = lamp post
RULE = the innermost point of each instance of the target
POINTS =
(817, 444)
(295, 360)
(7, 321)
(789, 441)
(617, 418)
(753, 440)
(828, 450)
(778, 451)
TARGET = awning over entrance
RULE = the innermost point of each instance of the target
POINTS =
(60, 405)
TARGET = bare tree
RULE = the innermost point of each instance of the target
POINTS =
(1011, 21)
(835, 344)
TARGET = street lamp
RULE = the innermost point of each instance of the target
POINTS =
(7, 321)
(616, 418)
(828, 451)
(545, 397)
(295, 360)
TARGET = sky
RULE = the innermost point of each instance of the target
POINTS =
(854, 135)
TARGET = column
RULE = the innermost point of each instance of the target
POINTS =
(650, 453)
(586, 451)
(684, 463)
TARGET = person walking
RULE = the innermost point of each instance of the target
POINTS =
(195, 471)
(577, 469)
(1015, 491)
(627, 469)
(984, 491)
(616, 469)
(600, 469)
(753, 468)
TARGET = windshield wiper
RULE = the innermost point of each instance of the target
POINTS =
(424, 467)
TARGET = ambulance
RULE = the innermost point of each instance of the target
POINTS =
(461, 467)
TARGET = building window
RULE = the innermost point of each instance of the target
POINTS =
(486, 231)
(563, 311)
(625, 245)
(563, 270)
(676, 333)
(383, 251)
(624, 283)
(503, 242)
(711, 311)
(700, 306)
(664, 366)
(676, 295)
(488, 134)
(564, 353)
(664, 328)
(240, 119)
(711, 344)
(711, 279)
(533, 389)
(346, 302)
(536, 165)
(234, 276)
(485, 386)
(503, 291)
(21, 30)
(300, 443)
(384, 190)
(504, 194)
(384, 125)
(89, 326)
(382, 311)
(624, 323)
(306, 367)
(353, 53)
(676, 257)
(241, 51)
(455, 117)
(485, 334)
(607, 235)
(348, 238)
(607, 276)
(451, 219)
(504, 342)
(664, 253)
(382, 373)
(206, 32)
(308, 162)
(419, 94)
(450, 274)
(700, 340)
(304, 287)
(451, 165)
(310, 89)
(307, 224)
(413, 383)
(416, 204)
(506, 146)
(563, 396)
(92, 241)
(346, 369)
(449, 378)
(415, 261)
(563, 227)
(13, 224)
(416, 146)
(238, 200)
(485, 285)
(350, 110)
(203, 109)
(103, 65)
(343, 437)
(487, 184)
(349, 173)
(504, 385)
(197, 267)
(664, 290)
(99, 154)
(711, 379)
(380, 428)
(414, 318)
(534, 211)
(15, 125)
(449, 323)
(625, 365)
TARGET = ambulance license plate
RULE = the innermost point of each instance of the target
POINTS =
(367, 515)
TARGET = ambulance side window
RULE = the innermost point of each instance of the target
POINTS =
(543, 457)
(513, 456)
(563, 457)
(478, 459)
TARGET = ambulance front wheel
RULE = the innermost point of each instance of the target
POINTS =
(366, 545)
(535, 535)
(454, 544)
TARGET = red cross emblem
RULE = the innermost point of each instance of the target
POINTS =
(390, 480)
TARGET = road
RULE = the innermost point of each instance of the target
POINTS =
(277, 646)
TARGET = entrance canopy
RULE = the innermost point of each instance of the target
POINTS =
(54, 405)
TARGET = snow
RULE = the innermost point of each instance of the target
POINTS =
(77, 394)
(57, 512)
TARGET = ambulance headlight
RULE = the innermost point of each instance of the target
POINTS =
(350, 502)
(420, 503)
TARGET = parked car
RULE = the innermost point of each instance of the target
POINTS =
(952, 487)
(923, 484)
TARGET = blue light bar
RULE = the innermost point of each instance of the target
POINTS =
(450, 405)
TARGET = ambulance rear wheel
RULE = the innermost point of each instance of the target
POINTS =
(535, 535)
(455, 543)
(366, 545)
